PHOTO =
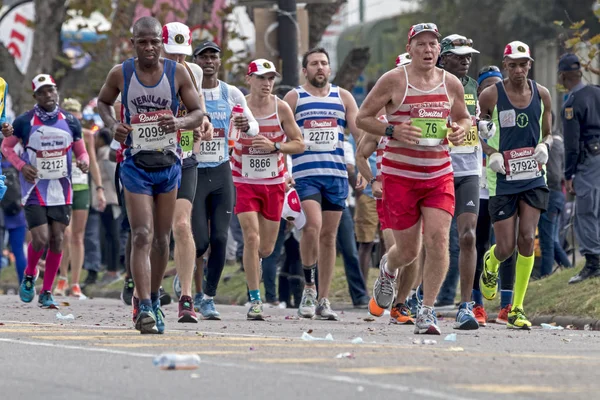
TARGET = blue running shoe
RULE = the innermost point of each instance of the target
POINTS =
(413, 304)
(46, 300)
(465, 319)
(197, 300)
(146, 320)
(27, 289)
(160, 317)
(208, 311)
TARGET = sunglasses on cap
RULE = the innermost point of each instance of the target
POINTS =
(424, 27)
(488, 69)
(462, 42)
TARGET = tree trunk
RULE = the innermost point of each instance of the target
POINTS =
(319, 18)
(353, 65)
(199, 12)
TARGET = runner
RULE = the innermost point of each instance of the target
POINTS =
(323, 111)
(7, 129)
(456, 59)
(151, 170)
(177, 41)
(258, 174)
(418, 189)
(73, 249)
(521, 111)
(215, 196)
(50, 136)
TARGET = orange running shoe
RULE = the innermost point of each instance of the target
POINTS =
(76, 291)
(502, 318)
(61, 286)
(480, 314)
(400, 315)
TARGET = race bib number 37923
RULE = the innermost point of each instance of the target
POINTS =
(147, 135)
(521, 165)
(321, 134)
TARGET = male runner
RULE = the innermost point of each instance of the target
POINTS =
(455, 58)
(177, 41)
(521, 111)
(50, 136)
(418, 187)
(215, 196)
(323, 111)
(258, 173)
(150, 87)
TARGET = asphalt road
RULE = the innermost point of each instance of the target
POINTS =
(100, 356)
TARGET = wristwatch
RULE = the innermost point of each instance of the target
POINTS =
(373, 180)
(277, 146)
(389, 130)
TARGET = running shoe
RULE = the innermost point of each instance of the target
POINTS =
(127, 292)
(488, 282)
(208, 310)
(186, 310)
(324, 310)
(61, 286)
(384, 290)
(46, 300)
(307, 306)
(480, 315)
(465, 319)
(518, 320)
(197, 300)
(426, 322)
(502, 317)
(413, 304)
(401, 315)
(160, 317)
(145, 321)
(165, 298)
(255, 311)
(76, 291)
(27, 289)
(135, 308)
(177, 286)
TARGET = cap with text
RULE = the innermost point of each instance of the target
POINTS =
(423, 27)
(42, 80)
(403, 59)
(177, 38)
(292, 209)
(516, 50)
(262, 67)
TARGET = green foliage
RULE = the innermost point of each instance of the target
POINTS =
(578, 39)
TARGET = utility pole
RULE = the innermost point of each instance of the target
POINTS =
(287, 42)
(361, 11)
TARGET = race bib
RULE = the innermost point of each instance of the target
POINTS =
(147, 135)
(321, 135)
(471, 143)
(521, 165)
(258, 164)
(186, 142)
(51, 164)
(77, 176)
(433, 124)
(213, 151)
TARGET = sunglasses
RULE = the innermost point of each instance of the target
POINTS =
(422, 27)
(488, 69)
(462, 42)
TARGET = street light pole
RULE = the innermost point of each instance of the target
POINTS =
(287, 39)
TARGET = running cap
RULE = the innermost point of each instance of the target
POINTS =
(403, 59)
(515, 50)
(71, 105)
(292, 209)
(422, 27)
(457, 44)
(42, 80)
(177, 38)
(568, 62)
(206, 45)
(261, 67)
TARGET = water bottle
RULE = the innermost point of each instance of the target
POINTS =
(235, 133)
(172, 361)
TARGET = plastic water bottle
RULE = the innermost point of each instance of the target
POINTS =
(235, 133)
(172, 361)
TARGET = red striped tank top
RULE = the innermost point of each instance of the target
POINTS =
(258, 167)
(416, 161)
(379, 155)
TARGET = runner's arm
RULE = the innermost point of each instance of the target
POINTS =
(191, 100)
(295, 143)
(377, 99)
(107, 96)
(291, 98)
(547, 116)
(351, 112)
(237, 97)
(90, 143)
(365, 148)
(487, 102)
(9, 143)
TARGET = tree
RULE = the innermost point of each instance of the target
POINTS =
(319, 18)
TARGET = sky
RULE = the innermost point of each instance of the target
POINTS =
(375, 9)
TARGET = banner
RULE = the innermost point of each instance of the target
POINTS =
(16, 33)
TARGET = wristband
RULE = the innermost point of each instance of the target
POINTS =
(372, 180)
(99, 187)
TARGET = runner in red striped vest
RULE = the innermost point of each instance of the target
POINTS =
(259, 174)
(418, 188)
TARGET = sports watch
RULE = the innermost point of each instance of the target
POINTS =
(389, 130)
(277, 146)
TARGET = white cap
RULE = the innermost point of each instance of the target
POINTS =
(403, 59)
(261, 67)
(42, 80)
(515, 50)
(177, 38)
(292, 209)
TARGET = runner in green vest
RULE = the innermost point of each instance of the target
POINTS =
(455, 57)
